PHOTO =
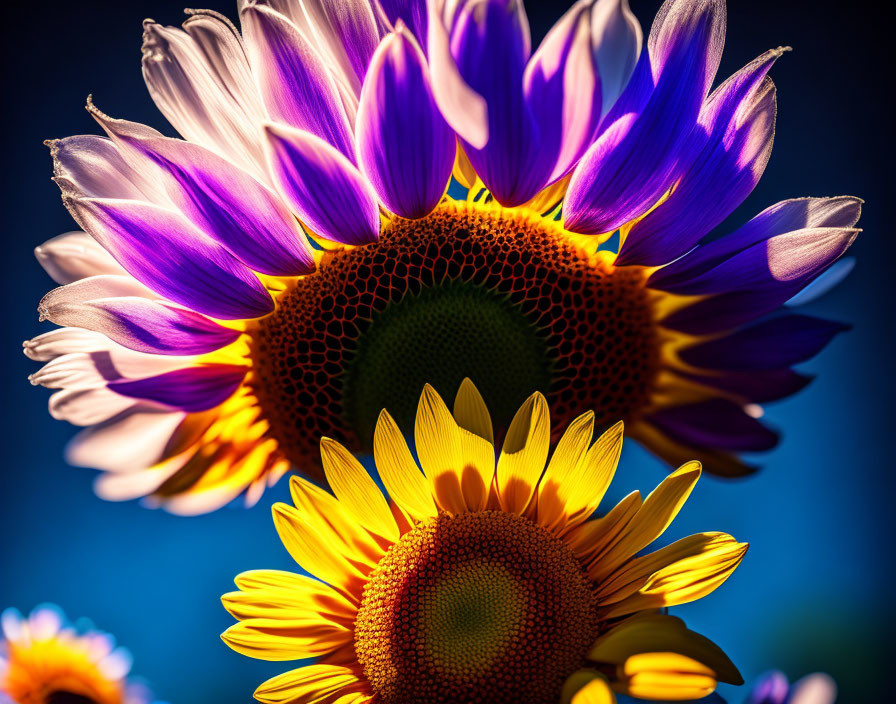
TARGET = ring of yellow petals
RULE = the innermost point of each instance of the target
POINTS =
(340, 538)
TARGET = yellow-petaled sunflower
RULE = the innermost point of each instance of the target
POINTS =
(482, 579)
(304, 257)
(45, 661)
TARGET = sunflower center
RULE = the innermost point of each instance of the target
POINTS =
(482, 606)
(502, 297)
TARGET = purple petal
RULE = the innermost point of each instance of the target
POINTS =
(731, 147)
(464, 109)
(838, 271)
(199, 79)
(714, 424)
(563, 89)
(162, 249)
(327, 192)
(771, 344)
(140, 324)
(617, 40)
(405, 147)
(224, 201)
(490, 44)
(294, 81)
(786, 216)
(758, 279)
(772, 688)
(411, 12)
(624, 175)
(753, 386)
(192, 390)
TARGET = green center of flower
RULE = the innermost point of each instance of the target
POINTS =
(448, 332)
(483, 607)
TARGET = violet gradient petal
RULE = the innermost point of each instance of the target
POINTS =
(714, 424)
(294, 81)
(490, 44)
(770, 344)
(772, 688)
(326, 190)
(758, 279)
(193, 390)
(224, 201)
(563, 89)
(731, 147)
(162, 249)
(624, 175)
(142, 325)
(405, 148)
(783, 217)
(754, 386)
(463, 108)
(617, 39)
(412, 12)
(199, 79)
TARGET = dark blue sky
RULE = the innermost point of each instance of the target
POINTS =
(813, 591)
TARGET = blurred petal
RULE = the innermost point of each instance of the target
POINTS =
(617, 39)
(814, 689)
(715, 423)
(326, 191)
(775, 343)
(88, 406)
(405, 147)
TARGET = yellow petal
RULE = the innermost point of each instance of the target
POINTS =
(308, 684)
(286, 639)
(330, 518)
(591, 539)
(586, 687)
(400, 474)
(592, 477)
(554, 487)
(524, 454)
(437, 439)
(356, 490)
(635, 573)
(686, 580)
(305, 596)
(655, 632)
(654, 516)
(312, 551)
(463, 170)
(665, 675)
(471, 413)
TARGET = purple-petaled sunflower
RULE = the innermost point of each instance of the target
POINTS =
(295, 263)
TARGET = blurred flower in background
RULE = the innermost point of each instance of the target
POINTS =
(296, 265)
(44, 660)
(483, 579)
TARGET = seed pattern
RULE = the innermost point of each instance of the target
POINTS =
(479, 607)
(595, 321)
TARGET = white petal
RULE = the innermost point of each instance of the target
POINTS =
(88, 406)
(73, 256)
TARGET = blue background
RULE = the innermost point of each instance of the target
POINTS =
(813, 592)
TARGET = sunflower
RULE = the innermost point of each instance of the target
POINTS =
(295, 262)
(482, 579)
(45, 661)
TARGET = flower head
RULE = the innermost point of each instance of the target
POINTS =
(295, 263)
(482, 578)
(45, 661)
